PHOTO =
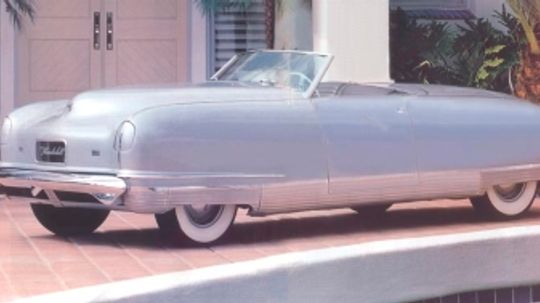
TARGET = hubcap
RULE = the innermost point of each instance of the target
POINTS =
(510, 192)
(203, 215)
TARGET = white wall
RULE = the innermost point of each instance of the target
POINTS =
(7, 63)
(1, 53)
(402, 270)
(356, 32)
(293, 25)
(199, 40)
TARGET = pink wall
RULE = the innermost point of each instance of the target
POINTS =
(7, 59)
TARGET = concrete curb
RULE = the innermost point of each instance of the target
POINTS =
(384, 271)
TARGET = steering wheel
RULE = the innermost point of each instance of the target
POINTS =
(303, 82)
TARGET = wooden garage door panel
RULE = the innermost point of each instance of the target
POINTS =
(149, 42)
(147, 29)
(158, 9)
(62, 8)
(66, 68)
(56, 56)
(58, 28)
(140, 62)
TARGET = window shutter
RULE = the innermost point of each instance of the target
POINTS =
(235, 31)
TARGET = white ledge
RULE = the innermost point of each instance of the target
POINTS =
(383, 271)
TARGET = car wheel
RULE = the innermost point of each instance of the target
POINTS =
(201, 224)
(506, 201)
(67, 221)
(372, 211)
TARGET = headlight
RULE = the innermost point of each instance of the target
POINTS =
(125, 136)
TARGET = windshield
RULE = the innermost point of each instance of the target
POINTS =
(299, 71)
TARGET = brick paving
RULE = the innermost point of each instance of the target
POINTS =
(33, 261)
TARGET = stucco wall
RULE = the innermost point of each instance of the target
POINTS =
(356, 32)
(402, 270)
(7, 65)
(1, 54)
(293, 26)
(199, 44)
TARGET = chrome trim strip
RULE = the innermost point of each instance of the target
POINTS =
(49, 181)
(317, 80)
(453, 184)
(190, 175)
(510, 174)
(58, 169)
(218, 74)
(138, 195)
(142, 199)
(66, 203)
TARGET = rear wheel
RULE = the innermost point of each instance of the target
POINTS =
(506, 201)
(64, 221)
(372, 211)
(201, 224)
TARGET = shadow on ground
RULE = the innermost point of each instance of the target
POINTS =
(394, 220)
(288, 228)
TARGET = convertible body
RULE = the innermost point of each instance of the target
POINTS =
(268, 148)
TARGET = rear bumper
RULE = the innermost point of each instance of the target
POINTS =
(62, 189)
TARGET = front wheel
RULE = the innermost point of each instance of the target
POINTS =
(506, 201)
(202, 224)
(65, 221)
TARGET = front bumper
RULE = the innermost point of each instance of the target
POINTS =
(127, 192)
(62, 189)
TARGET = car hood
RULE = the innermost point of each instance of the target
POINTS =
(90, 121)
(126, 101)
(108, 108)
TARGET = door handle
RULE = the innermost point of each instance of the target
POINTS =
(109, 31)
(97, 30)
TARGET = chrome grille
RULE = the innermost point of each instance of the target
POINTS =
(51, 151)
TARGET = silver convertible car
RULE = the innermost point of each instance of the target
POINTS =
(267, 135)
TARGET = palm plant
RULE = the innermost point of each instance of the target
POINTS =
(527, 76)
(17, 9)
(211, 6)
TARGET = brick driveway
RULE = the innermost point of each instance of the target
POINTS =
(32, 261)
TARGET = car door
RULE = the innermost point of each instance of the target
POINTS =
(370, 148)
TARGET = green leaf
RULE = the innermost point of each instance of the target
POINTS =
(17, 9)
(481, 75)
(209, 7)
(495, 49)
(484, 71)
(493, 62)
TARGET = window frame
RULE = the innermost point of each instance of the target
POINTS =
(429, 4)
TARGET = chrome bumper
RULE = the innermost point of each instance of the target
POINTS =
(129, 193)
(62, 189)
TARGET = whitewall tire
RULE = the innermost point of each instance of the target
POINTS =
(201, 224)
(506, 201)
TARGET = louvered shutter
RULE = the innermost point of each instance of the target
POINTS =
(234, 31)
